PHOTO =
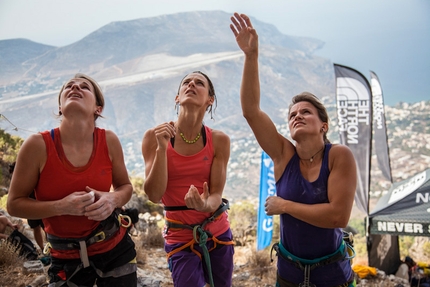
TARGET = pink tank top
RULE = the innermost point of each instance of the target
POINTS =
(184, 171)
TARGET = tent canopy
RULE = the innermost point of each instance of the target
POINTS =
(405, 209)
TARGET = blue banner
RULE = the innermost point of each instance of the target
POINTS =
(267, 188)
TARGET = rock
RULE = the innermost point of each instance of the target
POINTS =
(244, 276)
(148, 282)
(32, 266)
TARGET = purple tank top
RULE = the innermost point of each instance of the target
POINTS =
(305, 240)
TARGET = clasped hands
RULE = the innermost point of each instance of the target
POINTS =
(96, 205)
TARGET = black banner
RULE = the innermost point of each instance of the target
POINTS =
(354, 114)
(380, 128)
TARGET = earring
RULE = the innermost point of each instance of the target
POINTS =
(177, 108)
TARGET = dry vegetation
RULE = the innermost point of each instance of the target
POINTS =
(252, 268)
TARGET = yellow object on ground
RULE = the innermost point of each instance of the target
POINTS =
(425, 267)
(363, 271)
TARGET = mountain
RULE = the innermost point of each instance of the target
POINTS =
(139, 65)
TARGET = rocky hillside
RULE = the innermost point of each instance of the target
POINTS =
(139, 64)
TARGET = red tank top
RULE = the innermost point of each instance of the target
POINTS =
(60, 178)
(184, 171)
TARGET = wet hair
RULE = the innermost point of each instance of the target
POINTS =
(100, 100)
(313, 100)
(211, 90)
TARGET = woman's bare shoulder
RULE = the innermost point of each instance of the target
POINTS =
(342, 155)
(340, 149)
(219, 135)
(34, 141)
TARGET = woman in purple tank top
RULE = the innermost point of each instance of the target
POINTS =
(316, 180)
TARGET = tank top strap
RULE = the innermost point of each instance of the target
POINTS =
(325, 170)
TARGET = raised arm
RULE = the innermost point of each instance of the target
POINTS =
(154, 151)
(264, 130)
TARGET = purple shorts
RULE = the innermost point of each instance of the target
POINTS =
(188, 270)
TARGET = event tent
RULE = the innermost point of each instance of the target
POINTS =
(404, 210)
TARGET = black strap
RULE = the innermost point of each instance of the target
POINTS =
(223, 207)
(184, 207)
(177, 208)
(53, 135)
(106, 229)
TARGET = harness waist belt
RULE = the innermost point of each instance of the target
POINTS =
(300, 263)
(73, 243)
(223, 207)
(107, 229)
(184, 207)
(307, 265)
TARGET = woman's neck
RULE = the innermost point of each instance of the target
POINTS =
(189, 126)
(76, 131)
(309, 152)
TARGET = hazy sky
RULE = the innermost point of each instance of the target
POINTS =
(389, 37)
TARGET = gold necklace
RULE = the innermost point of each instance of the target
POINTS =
(189, 141)
(312, 157)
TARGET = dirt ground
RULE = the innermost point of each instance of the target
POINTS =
(252, 269)
(246, 271)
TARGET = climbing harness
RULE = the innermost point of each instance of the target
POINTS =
(200, 235)
(106, 230)
(344, 252)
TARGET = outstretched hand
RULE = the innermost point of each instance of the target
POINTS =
(246, 36)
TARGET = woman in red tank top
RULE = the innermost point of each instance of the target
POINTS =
(185, 167)
(72, 169)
